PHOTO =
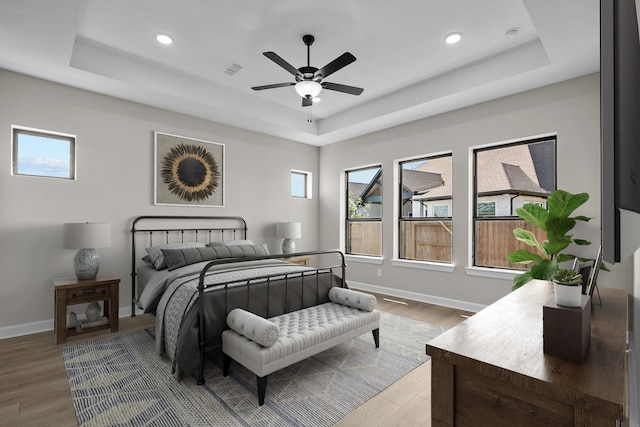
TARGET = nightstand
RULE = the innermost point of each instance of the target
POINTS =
(300, 260)
(72, 291)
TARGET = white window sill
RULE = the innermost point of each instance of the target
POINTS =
(492, 273)
(364, 259)
(424, 265)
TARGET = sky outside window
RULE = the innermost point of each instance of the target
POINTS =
(43, 156)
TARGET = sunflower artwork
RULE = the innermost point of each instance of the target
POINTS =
(188, 171)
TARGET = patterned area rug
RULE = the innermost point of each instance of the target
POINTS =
(119, 380)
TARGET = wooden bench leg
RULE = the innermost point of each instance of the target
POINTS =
(226, 364)
(262, 388)
(376, 337)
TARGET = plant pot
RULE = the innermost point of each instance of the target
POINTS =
(567, 296)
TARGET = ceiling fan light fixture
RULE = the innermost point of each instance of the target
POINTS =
(308, 88)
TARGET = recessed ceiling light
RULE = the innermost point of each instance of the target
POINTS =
(316, 100)
(453, 38)
(164, 38)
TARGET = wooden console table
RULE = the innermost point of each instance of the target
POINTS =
(491, 369)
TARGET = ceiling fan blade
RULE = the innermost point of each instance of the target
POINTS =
(273, 86)
(338, 63)
(342, 88)
(307, 102)
(281, 62)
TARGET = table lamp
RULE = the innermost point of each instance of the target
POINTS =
(86, 236)
(288, 231)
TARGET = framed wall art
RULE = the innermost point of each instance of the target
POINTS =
(188, 171)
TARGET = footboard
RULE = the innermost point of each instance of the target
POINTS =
(267, 296)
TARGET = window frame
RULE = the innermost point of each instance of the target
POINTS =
(308, 184)
(400, 219)
(16, 131)
(348, 220)
(497, 271)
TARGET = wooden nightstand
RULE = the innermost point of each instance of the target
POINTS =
(300, 260)
(72, 291)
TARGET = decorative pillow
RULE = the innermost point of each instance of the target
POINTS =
(231, 243)
(176, 258)
(240, 251)
(157, 258)
(254, 327)
(147, 260)
(355, 299)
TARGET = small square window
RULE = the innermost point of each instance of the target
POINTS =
(441, 211)
(301, 184)
(43, 153)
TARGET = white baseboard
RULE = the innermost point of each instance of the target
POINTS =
(46, 325)
(431, 299)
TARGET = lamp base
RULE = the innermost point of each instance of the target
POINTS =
(288, 246)
(86, 263)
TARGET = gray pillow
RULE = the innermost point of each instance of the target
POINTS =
(176, 258)
(157, 257)
(230, 243)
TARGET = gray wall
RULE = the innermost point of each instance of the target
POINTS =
(570, 109)
(115, 184)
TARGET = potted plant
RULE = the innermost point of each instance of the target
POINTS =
(556, 221)
(567, 287)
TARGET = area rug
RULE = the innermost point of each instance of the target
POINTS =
(120, 380)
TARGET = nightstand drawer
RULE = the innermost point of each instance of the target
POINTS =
(89, 293)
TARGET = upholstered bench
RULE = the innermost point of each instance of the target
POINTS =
(266, 345)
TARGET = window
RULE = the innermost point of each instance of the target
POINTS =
(486, 208)
(441, 211)
(364, 211)
(42, 153)
(425, 229)
(301, 184)
(507, 177)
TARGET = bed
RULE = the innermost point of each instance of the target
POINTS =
(191, 271)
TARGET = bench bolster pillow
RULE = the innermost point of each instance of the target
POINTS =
(254, 327)
(354, 299)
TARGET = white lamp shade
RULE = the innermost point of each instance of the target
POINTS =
(87, 235)
(308, 88)
(288, 230)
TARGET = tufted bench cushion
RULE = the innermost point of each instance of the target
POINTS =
(302, 334)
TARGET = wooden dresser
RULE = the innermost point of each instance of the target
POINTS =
(491, 370)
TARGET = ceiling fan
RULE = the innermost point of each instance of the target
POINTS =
(309, 80)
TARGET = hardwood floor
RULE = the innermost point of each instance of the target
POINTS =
(34, 390)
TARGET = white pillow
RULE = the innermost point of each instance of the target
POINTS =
(254, 327)
(355, 299)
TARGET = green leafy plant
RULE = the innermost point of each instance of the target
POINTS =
(556, 221)
(567, 277)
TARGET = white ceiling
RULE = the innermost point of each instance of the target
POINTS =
(403, 64)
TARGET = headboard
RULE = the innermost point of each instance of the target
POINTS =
(151, 230)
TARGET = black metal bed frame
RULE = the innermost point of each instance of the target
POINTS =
(166, 232)
(239, 231)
